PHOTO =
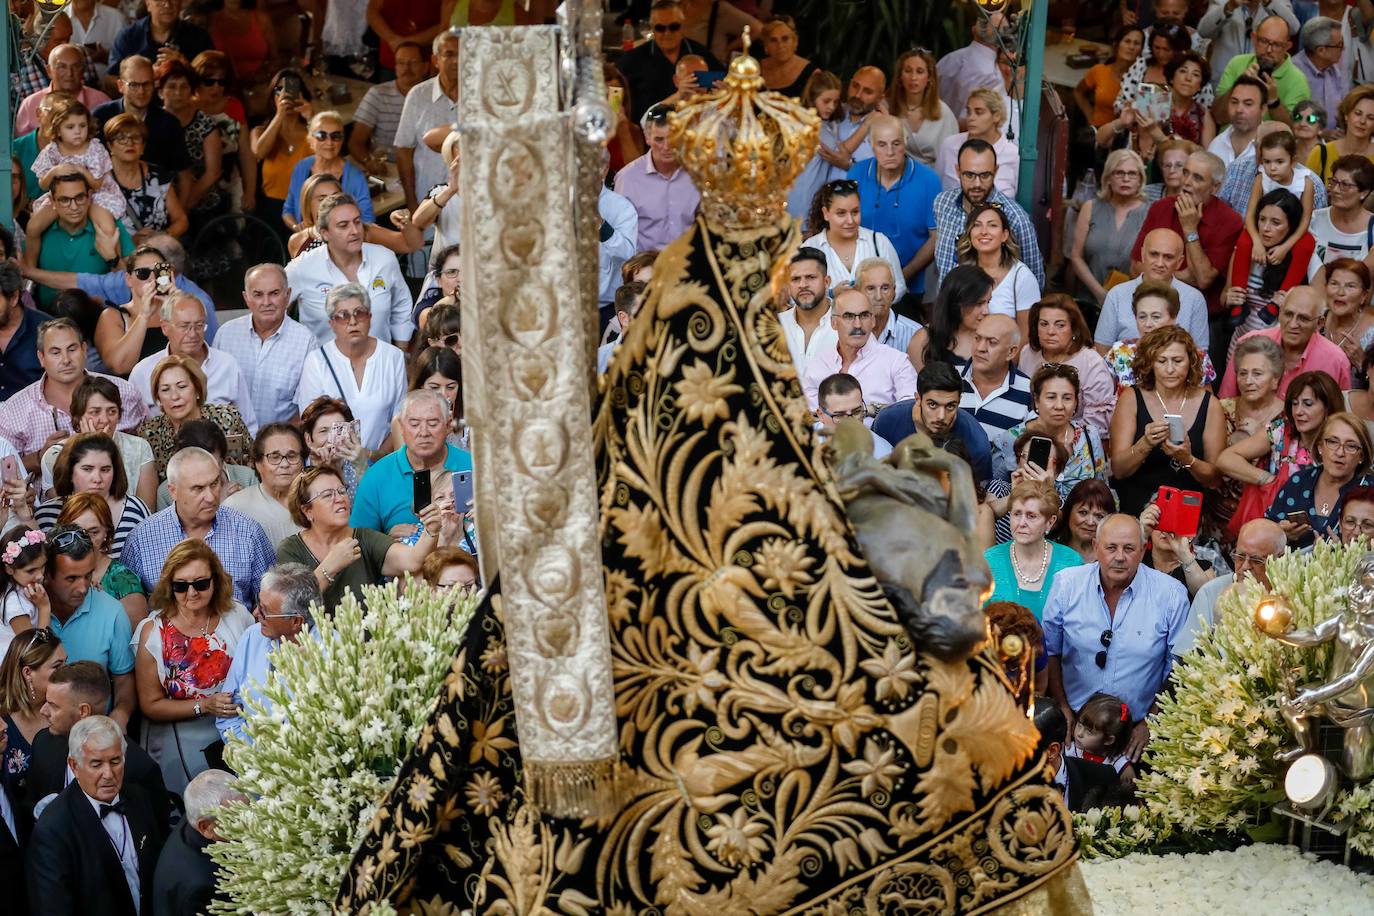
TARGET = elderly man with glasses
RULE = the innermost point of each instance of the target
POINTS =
(1259, 541)
(1304, 350)
(977, 166)
(1113, 626)
(67, 67)
(885, 373)
(283, 613)
(1323, 48)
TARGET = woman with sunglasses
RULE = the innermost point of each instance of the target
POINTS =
(185, 648)
(1309, 119)
(1059, 334)
(176, 85)
(1308, 506)
(149, 190)
(326, 138)
(1055, 391)
(346, 558)
(238, 184)
(1356, 117)
(367, 373)
(32, 658)
(846, 243)
(126, 334)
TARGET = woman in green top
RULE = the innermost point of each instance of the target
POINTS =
(91, 513)
(344, 557)
(1024, 568)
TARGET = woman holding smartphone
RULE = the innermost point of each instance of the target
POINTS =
(1309, 504)
(1167, 429)
(1055, 392)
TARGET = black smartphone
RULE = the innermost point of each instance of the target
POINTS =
(1299, 518)
(421, 496)
(462, 491)
(1039, 451)
(292, 86)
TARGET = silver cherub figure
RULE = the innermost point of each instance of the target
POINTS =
(1347, 697)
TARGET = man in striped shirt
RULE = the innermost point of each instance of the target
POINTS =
(995, 391)
(874, 277)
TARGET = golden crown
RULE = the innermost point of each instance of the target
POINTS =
(743, 146)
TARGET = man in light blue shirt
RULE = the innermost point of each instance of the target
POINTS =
(619, 238)
(284, 601)
(386, 492)
(1112, 626)
(91, 624)
(269, 347)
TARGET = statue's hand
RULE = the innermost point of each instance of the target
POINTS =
(1306, 699)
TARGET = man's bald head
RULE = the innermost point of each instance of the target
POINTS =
(66, 66)
(1258, 541)
(1161, 255)
(1119, 548)
(995, 342)
(866, 89)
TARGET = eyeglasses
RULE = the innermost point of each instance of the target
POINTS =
(855, 317)
(40, 634)
(76, 201)
(334, 135)
(1240, 558)
(122, 139)
(667, 27)
(1342, 447)
(854, 414)
(280, 458)
(185, 327)
(1363, 526)
(329, 495)
(1270, 45)
(977, 176)
(214, 81)
(140, 84)
(1340, 184)
(448, 340)
(451, 273)
(1299, 317)
(1101, 657)
(181, 586)
(350, 317)
(66, 539)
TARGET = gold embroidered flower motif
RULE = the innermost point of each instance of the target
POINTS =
(877, 769)
(488, 742)
(895, 671)
(705, 681)
(421, 791)
(484, 793)
(736, 839)
(783, 564)
(494, 658)
(702, 393)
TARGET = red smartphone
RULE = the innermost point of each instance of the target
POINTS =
(1179, 511)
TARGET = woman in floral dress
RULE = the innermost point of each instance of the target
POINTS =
(32, 658)
(184, 649)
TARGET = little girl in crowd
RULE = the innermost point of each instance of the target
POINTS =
(1277, 152)
(23, 600)
(74, 149)
(1099, 735)
(822, 93)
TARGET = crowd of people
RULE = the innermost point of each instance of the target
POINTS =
(180, 495)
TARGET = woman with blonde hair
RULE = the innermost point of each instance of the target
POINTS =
(987, 243)
(185, 648)
(325, 135)
(914, 97)
(1024, 567)
(1107, 227)
(784, 70)
(985, 113)
(179, 388)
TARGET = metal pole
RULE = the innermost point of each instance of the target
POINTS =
(1030, 105)
(6, 125)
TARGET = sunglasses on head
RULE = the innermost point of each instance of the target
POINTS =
(67, 538)
(181, 586)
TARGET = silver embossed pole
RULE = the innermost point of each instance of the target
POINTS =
(525, 327)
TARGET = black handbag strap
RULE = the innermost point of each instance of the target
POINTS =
(337, 384)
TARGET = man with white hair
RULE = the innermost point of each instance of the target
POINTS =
(874, 277)
(183, 323)
(1259, 541)
(284, 612)
(67, 67)
(95, 847)
(1112, 626)
(1209, 229)
(269, 346)
(195, 480)
(384, 497)
(184, 881)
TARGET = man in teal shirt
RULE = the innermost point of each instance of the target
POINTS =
(1271, 65)
(72, 243)
(386, 492)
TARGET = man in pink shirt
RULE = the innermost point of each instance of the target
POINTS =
(885, 374)
(66, 64)
(1304, 350)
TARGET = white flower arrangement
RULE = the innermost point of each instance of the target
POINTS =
(343, 712)
(1251, 881)
(1213, 743)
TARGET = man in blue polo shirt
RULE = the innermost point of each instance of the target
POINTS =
(897, 198)
(72, 243)
(91, 624)
(386, 492)
(19, 366)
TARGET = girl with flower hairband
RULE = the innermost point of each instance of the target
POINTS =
(23, 600)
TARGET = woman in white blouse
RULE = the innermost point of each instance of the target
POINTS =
(987, 243)
(846, 243)
(985, 113)
(914, 97)
(367, 374)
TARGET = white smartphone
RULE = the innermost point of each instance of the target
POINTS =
(1175, 422)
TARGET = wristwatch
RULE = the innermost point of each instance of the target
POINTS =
(1191, 237)
(197, 710)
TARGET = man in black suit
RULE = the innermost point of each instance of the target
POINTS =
(185, 882)
(94, 848)
(77, 690)
(15, 827)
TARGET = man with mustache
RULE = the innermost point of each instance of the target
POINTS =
(885, 374)
(1113, 626)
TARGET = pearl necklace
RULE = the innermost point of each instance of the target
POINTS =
(1044, 565)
